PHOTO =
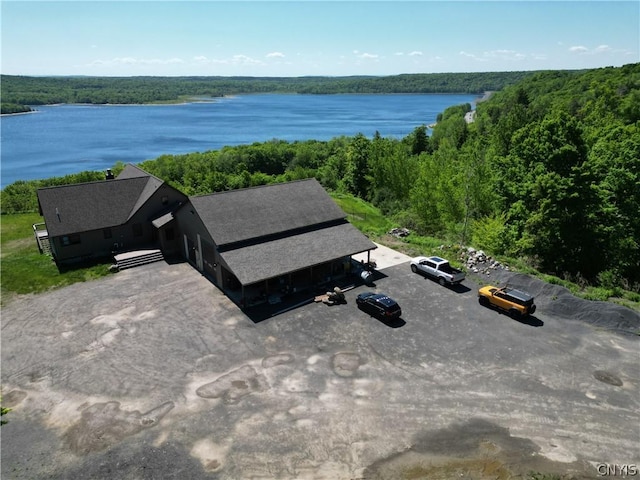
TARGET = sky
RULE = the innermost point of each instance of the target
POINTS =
(328, 38)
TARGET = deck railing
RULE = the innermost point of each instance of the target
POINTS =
(42, 237)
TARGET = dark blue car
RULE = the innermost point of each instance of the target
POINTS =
(378, 305)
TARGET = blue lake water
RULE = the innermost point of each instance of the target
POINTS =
(62, 139)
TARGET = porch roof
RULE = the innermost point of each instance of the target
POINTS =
(259, 262)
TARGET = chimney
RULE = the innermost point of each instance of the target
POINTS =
(109, 175)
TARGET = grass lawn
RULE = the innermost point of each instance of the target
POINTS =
(369, 220)
(24, 269)
(362, 215)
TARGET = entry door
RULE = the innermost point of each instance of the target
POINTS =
(208, 258)
(191, 250)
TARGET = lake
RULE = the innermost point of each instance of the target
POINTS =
(62, 139)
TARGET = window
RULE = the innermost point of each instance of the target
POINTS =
(165, 200)
(70, 240)
(107, 232)
(137, 230)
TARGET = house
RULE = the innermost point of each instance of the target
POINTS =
(256, 244)
(97, 219)
(259, 243)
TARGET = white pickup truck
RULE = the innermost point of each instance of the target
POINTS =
(437, 268)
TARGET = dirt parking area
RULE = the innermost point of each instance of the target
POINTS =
(153, 373)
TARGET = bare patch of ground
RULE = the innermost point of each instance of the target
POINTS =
(478, 450)
(19, 244)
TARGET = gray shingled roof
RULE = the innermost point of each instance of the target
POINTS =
(240, 215)
(265, 260)
(70, 209)
(132, 171)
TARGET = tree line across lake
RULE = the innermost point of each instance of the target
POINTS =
(549, 171)
(19, 92)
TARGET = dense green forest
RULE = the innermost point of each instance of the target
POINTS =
(548, 172)
(11, 108)
(20, 90)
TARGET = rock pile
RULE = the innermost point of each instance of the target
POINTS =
(399, 232)
(477, 261)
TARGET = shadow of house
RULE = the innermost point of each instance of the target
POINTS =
(262, 244)
(96, 220)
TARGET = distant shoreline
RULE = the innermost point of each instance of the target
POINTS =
(17, 113)
(167, 104)
(469, 117)
(485, 96)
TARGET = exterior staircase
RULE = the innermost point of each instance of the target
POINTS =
(45, 246)
(137, 258)
(42, 238)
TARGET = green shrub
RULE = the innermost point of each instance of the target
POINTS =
(488, 233)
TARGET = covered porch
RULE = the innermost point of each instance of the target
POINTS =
(266, 272)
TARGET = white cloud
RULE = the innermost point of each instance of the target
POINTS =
(135, 61)
(275, 55)
(500, 54)
(125, 61)
(168, 61)
(415, 53)
(504, 54)
(244, 60)
(368, 55)
(578, 49)
(582, 50)
(467, 54)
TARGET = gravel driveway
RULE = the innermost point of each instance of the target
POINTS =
(153, 373)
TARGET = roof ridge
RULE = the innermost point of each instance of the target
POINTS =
(254, 187)
(94, 182)
(144, 172)
(144, 193)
